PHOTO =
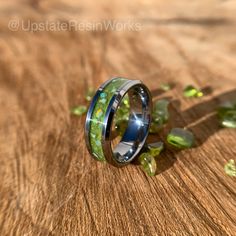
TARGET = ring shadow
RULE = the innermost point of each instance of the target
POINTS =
(201, 119)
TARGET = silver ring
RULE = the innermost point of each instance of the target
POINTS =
(98, 126)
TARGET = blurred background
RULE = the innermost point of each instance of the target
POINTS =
(52, 52)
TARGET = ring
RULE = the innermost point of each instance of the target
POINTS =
(98, 125)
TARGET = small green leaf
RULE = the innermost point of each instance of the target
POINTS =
(155, 148)
(230, 168)
(191, 91)
(79, 110)
(148, 163)
(180, 138)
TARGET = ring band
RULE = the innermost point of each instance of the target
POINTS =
(98, 126)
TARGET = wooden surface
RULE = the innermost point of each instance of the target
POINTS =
(49, 184)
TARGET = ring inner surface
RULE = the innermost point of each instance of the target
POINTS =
(137, 128)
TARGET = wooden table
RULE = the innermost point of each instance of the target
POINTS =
(49, 184)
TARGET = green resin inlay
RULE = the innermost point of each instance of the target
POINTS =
(98, 116)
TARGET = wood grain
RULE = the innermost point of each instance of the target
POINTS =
(49, 184)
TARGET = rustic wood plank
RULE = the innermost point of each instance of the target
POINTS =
(49, 183)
